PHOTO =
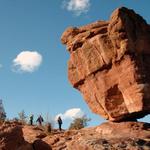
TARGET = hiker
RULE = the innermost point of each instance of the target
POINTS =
(31, 120)
(40, 120)
(59, 120)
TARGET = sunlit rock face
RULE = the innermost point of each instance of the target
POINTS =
(110, 65)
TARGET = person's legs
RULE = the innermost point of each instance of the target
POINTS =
(31, 122)
(59, 126)
(40, 123)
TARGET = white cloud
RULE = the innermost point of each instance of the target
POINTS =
(27, 61)
(77, 6)
(71, 114)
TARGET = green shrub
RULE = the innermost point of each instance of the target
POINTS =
(2, 112)
(22, 117)
(79, 123)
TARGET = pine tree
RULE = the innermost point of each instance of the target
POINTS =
(2, 111)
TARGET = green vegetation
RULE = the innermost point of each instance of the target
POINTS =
(2, 112)
(79, 123)
(48, 125)
(22, 117)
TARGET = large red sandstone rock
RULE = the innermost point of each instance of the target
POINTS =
(110, 64)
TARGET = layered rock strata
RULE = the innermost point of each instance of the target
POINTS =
(110, 65)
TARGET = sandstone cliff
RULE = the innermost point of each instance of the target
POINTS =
(110, 65)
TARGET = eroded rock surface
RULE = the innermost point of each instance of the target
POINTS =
(109, 135)
(11, 137)
(16, 136)
(113, 136)
(33, 133)
(110, 65)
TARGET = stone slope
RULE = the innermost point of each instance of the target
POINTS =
(113, 136)
(13, 137)
(109, 135)
(110, 65)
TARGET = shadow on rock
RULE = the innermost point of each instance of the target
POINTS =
(40, 145)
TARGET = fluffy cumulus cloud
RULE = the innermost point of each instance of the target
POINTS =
(71, 114)
(77, 6)
(27, 61)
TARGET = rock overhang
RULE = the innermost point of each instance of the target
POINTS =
(109, 64)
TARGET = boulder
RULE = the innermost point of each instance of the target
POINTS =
(11, 137)
(16, 136)
(32, 133)
(110, 65)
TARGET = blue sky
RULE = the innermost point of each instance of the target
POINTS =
(36, 26)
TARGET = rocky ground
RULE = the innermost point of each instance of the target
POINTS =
(108, 136)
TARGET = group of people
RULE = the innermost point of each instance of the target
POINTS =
(40, 120)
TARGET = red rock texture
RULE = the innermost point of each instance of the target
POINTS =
(32, 133)
(11, 137)
(111, 130)
(110, 135)
(15, 136)
(110, 65)
(35, 135)
(40, 145)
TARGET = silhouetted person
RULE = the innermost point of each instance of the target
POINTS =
(31, 119)
(40, 120)
(59, 120)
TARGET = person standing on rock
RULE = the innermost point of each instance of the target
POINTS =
(40, 120)
(59, 120)
(31, 120)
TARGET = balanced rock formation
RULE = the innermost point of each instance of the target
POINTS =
(110, 65)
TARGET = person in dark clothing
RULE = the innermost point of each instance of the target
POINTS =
(40, 120)
(59, 120)
(31, 119)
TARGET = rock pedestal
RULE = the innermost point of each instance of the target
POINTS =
(110, 65)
